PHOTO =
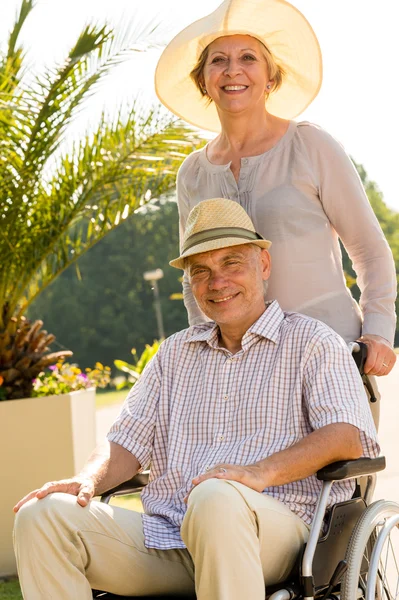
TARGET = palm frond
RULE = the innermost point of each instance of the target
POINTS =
(11, 64)
(42, 112)
(52, 210)
(98, 184)
(56, 204)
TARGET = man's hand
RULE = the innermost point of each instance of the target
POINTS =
(250, 475)
(83, 488)
(109, 465)
(380, 356)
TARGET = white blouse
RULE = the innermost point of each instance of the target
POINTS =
(303, 195)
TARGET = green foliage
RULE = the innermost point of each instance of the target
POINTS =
(350, 281)
(110, 309)
(56, 205)
(134, 370)
(63, 378)
(389, 221)
(3, 393)
(57, 200)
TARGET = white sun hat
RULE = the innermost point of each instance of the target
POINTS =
(277, 24)
(214, 224)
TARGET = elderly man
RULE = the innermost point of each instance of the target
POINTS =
(234, 416)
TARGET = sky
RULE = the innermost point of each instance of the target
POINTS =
(358, 100)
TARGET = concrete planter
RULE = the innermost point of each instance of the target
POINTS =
(41, 439)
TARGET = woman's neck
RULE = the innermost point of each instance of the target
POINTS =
(247, 135)
(241, 129)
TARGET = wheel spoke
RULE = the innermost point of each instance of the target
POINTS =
(389, 566)
(372, 565)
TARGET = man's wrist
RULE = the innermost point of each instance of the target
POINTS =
(87, 478)
(264, 472)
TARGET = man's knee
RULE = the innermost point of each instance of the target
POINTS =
(213, 503)
(32, 515)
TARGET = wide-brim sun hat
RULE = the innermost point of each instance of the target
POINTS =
(214, 224)
(281, 27)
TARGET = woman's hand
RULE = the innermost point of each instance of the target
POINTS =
(81, 487)
(380, 355)
(250, 475)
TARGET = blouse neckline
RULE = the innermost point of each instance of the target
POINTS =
(283, 141)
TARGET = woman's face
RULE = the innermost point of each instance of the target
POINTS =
(236, 73)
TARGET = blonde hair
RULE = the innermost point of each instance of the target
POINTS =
(276, 72)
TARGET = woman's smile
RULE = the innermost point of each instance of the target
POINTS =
(234, 88)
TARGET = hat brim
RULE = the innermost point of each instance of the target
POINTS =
(278, 24)
(179, 262)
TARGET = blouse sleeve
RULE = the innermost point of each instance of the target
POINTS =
(349, 211)
(195, 314)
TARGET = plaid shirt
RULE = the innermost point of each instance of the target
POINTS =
(197, 405)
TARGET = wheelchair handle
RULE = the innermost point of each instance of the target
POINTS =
(359, 353)
(354, 347)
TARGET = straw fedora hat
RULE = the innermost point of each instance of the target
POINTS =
(277, 24)
(214, 224)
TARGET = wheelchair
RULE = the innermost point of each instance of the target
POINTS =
(350, 552)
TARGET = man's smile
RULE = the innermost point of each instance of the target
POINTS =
(224, 299)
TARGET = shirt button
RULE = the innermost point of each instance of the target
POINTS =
(225, 397)
(221, 438)
(243, 176)
(244, 161)
(207, 468)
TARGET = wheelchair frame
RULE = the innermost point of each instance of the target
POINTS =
(318, 577)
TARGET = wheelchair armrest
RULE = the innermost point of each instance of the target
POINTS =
(348, 469)
(136, 484)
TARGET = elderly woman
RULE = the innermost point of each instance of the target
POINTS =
(246, 70)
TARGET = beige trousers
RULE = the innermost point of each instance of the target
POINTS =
(238, 540)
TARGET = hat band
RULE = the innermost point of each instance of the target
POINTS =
(217, 234)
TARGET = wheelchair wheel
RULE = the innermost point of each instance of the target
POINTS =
(373, 555)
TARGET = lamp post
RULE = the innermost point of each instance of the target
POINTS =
(153, 277)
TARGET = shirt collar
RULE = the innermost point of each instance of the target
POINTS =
(267, 326)
(269, 323)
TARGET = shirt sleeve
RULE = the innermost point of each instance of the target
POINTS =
(195, 314)
(346, 204)
(134, 428)
(334, 391)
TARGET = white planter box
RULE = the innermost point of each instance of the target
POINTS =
(41, 439)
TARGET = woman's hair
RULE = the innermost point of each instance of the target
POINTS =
(276, 72)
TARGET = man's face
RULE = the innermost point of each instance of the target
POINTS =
(228, 283)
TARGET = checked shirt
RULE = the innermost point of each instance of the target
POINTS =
(197, 405)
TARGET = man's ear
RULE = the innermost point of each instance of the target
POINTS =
(266, 264)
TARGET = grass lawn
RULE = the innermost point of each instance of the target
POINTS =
(131, 502)
(106, 398)
(10, 590)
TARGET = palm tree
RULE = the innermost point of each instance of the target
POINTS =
(56, 203)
